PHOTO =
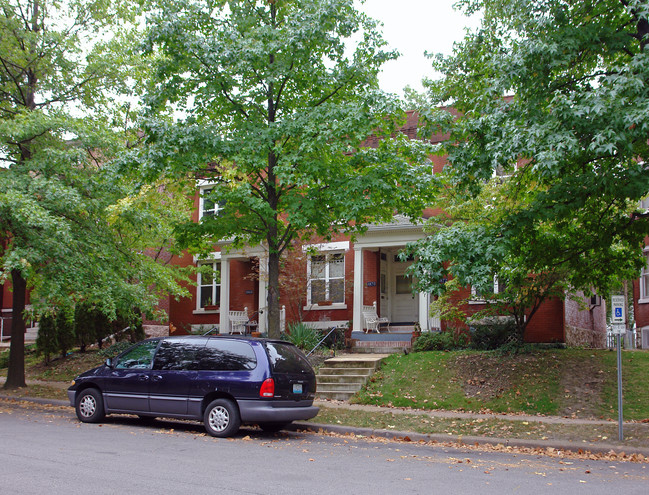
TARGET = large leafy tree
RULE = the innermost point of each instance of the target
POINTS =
(555, 95)
(68, 230)
(270, 101)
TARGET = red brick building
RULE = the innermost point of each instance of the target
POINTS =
(342, 278)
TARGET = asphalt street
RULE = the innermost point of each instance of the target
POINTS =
(46, 450)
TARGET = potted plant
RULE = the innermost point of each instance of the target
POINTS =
(208, 306)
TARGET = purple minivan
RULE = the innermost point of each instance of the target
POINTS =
(223, 381)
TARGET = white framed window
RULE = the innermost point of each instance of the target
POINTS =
(326, 275)
(479, 297)
(207, 205)
(644, 203)
(208, 284)
(644, 280)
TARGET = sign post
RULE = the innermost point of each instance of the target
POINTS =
(619, 328)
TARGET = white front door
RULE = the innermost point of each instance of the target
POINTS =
(405, 303)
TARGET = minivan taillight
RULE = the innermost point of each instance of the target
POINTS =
(267, 388)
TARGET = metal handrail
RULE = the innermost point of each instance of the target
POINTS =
(323, 339)
(211, 330)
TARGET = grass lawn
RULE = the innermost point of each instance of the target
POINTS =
(565, 382)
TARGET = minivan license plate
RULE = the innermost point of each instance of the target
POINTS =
(297, 388)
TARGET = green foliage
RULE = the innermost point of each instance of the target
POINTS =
(65, 330)
(303, 336)
(274, 97)
(568, 149)
(4, 359)
(72, 228)
(46, 342)
(493, 335)
(84, 325)
(335, 341)
(440, 341)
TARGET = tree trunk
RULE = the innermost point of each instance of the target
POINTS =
(16, 371)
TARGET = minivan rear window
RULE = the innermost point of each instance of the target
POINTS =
(286, 358)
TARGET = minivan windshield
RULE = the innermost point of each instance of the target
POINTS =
(286, 358)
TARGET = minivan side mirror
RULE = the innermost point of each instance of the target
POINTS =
(109, 363)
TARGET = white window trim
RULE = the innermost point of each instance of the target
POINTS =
(214, 261)
(475, 300)
(201, 202)
(644, 298)
(325, 248)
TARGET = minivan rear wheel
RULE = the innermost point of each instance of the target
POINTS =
(221, 418)
(90, 406)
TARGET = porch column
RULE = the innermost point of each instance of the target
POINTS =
(224, 317)
(262, 317)
(423, 311)
(358, 289)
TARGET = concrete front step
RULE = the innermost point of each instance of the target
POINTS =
(345, 371)
(339, 387)
(341, 377)
(335, 395)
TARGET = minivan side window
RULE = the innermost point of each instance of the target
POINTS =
(227, 355)
(178, 354)
(138, 357)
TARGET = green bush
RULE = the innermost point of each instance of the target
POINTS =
(4, 359)
(65, 330)
(46, 341)
(440, 341)
(334, 341)
(493, 335)
(84, 325)
(303, 336)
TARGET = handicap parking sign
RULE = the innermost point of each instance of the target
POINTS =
(617, 309)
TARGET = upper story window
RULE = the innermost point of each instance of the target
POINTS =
(209, 284)
(478, 296)
(644, 281)
(207, 205)
(326, 273)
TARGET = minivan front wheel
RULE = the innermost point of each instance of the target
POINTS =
(221, 418)
(90, 406)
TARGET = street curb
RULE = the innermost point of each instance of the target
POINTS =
(460, 441)
(468, 441)
(37, 400)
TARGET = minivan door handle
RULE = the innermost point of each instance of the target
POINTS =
(156, 378)
(143, 378)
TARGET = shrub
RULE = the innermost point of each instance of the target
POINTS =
(303, 336)
(440, 341)
(65, 330)
(493, 335)
(4, 359)
(334, 341)
(46, 341)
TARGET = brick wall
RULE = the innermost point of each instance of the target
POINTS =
(585, 325)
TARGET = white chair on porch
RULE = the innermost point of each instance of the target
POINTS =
(238, 320)
(373, 321)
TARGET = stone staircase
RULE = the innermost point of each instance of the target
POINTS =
(341, 377)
